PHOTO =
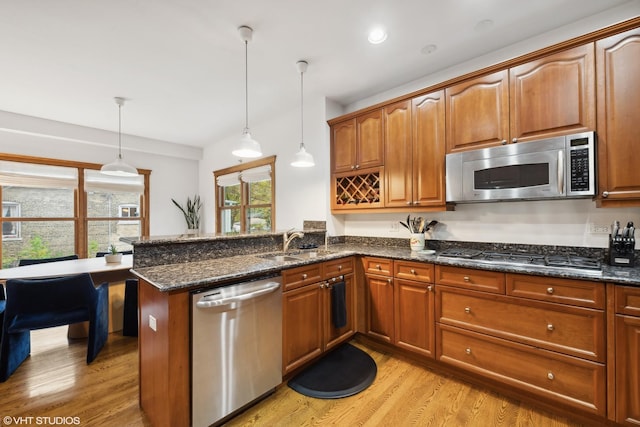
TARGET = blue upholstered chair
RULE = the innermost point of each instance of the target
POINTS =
(43, 260)
(130, 316)
(45, 303)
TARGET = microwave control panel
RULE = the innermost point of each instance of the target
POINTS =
(581, 165)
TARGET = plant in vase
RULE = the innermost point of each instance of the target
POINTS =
(113, 256)
(191, 212)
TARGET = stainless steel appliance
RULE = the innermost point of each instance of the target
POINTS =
(560, 167)
(236, 347)
(585, 265)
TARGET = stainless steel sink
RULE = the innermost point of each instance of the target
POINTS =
(279, 258)
(294, 256)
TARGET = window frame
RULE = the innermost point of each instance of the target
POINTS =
(244, 196)
(80, 218)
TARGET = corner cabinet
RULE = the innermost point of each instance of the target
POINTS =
(550, 96)
(414, 152)
(618, 68)
(307, 328)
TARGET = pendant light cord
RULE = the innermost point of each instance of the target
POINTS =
(246, 86)
(301, 109)
(120, 131)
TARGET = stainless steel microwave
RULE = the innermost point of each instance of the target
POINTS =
(553, 168)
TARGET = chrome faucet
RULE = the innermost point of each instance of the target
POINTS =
(286, 238)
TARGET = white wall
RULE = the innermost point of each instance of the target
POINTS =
(174, 167)
(301, 193)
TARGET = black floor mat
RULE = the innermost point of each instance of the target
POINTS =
(344, 372)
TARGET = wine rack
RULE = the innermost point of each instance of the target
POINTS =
(358, 191)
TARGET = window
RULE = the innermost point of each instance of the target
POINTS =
(245, 197)
(54, 207)
(10, 229)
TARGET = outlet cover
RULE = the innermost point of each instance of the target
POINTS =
(394, 227)
(599, 229)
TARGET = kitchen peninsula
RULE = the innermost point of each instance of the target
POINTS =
(171, 267)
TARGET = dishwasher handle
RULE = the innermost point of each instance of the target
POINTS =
(269, 287)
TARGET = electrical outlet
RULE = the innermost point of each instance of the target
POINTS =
(152, 323)
(394, 227)
(599, 229)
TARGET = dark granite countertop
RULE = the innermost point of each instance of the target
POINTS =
(221, 271)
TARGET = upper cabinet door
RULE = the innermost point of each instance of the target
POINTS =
(428, 117)
(343, 146)
(370, 147)
(478, 112)
(554, 95)
(397, 142)
(618, 71)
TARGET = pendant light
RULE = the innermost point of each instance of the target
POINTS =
(247, 146)
(119, 167)
(302, 159)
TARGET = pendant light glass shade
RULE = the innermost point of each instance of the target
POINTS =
(247, 146)
(119, 167)
(302, 158)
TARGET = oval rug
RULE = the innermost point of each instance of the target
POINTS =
(345, 371)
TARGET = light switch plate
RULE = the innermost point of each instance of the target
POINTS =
(152, 323)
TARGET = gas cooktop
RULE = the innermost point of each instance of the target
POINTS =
(582, 264)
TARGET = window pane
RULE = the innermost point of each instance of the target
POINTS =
(40, 202)
(229, 221)
(112, 205)
(11, 229)
(260, 193)
(103, 234)
(258, 220)
(231, 195)
(39, 239)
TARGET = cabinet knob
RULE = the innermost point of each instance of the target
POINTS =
(322, 285)
(468, 350)
(467, 310)
(416, 202)
(466, 278)
(339, 268)
(389, 281)
(413, 271)
(514, 140)
(378, 267)
(408, 203)
(353, 167)
(550, 327)
(357, 166)
(430, 288)
(605, 194)
(504, 142)
(550, 375)
(550, 290)
(304, 276)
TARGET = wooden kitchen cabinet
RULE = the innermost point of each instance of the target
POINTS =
(627, 350)
(414, 312)
(357, 143)
(414, 152)
(550, 96)
(307, 329)
(618, 89)
(379, 296)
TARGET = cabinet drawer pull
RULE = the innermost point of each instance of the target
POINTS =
(550, 375)
(322, 285)
(514, 140)
(304, 276)
(550, 327)
(467, 310)
(412, 271)
(466, 278)
(605, 194)
(378, 267)
(339, 268)
(468, 350)
(550, 290)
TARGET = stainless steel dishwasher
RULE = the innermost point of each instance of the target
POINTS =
(236, 347)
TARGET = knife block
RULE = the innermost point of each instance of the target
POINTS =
(621, 251)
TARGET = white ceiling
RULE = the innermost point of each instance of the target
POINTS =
(181, 62)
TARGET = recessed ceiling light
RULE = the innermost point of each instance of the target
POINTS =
(430, 48)
(484, 25)
(377, 35)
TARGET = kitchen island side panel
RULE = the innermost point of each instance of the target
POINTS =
(164, 356)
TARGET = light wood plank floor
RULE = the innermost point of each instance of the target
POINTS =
(55, 381)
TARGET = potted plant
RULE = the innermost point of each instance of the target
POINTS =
(191, 213)
(113, 256)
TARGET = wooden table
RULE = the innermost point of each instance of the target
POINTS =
(101, 271)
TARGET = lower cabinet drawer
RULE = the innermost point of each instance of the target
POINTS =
(573, 381)
(574, 331)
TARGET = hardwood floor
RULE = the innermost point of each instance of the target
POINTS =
(55, 381)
